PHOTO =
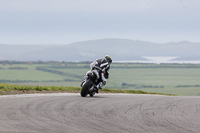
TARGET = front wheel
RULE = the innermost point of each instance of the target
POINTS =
(85, 88)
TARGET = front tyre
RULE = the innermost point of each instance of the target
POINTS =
(85, 88)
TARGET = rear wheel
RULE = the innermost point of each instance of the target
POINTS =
(85, 88)
(92, 94)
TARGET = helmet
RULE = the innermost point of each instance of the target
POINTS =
(108, 58)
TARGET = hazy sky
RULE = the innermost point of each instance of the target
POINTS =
(67, 21)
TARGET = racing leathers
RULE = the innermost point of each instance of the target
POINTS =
(102, 66)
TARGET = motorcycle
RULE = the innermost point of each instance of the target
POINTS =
(89, 84)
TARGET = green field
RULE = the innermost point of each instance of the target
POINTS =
(12, 89)
(160, 78)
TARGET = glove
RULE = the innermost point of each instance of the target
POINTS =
(106, 75)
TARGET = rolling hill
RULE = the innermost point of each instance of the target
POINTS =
(119, 49)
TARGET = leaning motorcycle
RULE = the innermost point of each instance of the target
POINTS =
(89, 85)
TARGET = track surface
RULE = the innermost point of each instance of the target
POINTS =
(104, 113)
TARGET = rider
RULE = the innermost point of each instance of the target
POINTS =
(102, 66)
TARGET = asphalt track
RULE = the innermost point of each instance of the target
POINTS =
(104, 113)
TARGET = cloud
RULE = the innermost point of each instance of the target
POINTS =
(71, 20)
(95, 5)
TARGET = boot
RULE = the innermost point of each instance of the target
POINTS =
(96, 89)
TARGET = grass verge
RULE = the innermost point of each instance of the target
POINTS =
(8, 89)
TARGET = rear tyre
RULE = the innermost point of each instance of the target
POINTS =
(85, 88)
(92, 94)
